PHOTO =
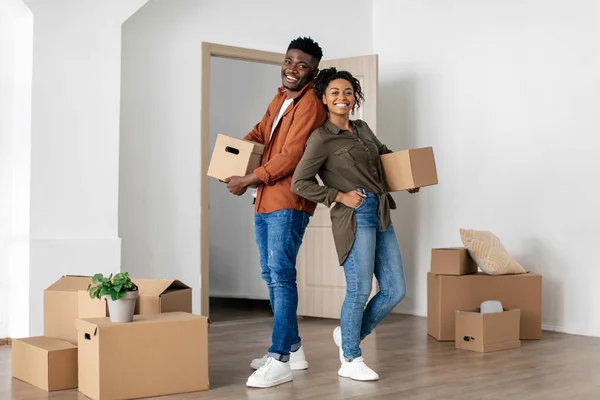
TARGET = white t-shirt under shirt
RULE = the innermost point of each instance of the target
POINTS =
(284, 106)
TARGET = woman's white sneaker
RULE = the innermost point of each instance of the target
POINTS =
(357, 370)
(297, 360)
(337, 338)
(272, 373)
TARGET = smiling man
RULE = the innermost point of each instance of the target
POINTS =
(281, 216)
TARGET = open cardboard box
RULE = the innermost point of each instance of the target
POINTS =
(155, 296)
(485, 333)
(67, 299)
(448, 293)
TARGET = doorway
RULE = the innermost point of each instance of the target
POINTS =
(240, 93)
(321, 284)
(238, 84)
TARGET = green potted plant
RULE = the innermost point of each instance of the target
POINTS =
(120, 292)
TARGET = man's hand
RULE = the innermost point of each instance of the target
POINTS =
(351, 199)
(239, 184)
(415, 190)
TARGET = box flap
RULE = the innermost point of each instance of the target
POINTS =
(46, 343)
(469, 311)
(156, 287)
(70, 283)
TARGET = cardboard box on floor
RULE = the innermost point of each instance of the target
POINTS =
(409, 169)
(452, 261)
(67, 299)
(50, 364)
(448, 293)
(154, 355)
(61, 307)
(234, 157)
(485, 333)
(155, 296)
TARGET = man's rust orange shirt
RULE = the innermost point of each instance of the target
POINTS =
(284, 149)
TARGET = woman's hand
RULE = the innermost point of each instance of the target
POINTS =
(416, 190)
(351, 199)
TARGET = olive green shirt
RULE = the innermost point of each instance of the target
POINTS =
(345, 161)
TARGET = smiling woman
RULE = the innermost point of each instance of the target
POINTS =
(345, 155)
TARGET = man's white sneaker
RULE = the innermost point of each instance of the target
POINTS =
(357, 370)
(297, 360)
(337, 338)
(272, 373)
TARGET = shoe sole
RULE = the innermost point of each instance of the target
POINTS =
(295, 366)
(299, 365)
(279, 381)
(340, 373)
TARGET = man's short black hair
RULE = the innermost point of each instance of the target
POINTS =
(307, 45)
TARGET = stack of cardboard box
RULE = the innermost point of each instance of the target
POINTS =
(82, 349)
(455, 291)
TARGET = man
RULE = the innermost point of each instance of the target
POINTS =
(281, 216)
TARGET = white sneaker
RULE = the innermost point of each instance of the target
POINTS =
(337, 338)
(357, 370)
(272, 373)
(297, 360)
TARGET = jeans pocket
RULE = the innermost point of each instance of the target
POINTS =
(362, 203)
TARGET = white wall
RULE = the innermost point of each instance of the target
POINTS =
(75, 141)
(160, 115)
(16, 44)
(234, 262)
(507, 94)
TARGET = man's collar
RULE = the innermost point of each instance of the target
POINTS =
(306, 88)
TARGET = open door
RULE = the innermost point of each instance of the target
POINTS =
(321, 282)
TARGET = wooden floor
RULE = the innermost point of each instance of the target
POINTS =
(411, 365)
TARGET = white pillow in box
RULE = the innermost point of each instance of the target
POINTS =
(489, 253)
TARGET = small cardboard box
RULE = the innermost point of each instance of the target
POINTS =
(155, 296)
(154, 355)
(448, 293)
(50, 364)
(487, 332)
(61, 307)
(234, 157)
(452, 261)
(409, 169)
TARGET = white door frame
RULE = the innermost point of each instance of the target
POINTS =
(236, 53)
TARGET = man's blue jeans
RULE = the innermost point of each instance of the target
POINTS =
(373, 252)
(278, 237)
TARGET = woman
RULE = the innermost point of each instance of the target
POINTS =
(345, 155)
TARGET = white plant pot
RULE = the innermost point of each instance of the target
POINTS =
(122, 310)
